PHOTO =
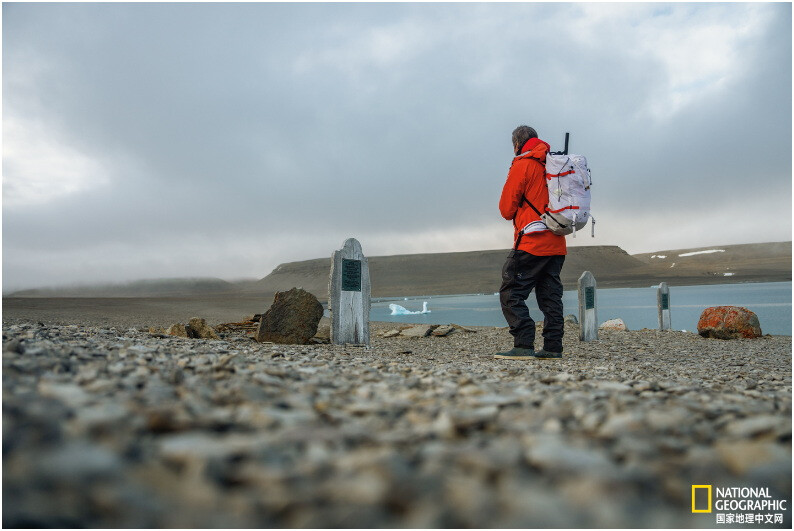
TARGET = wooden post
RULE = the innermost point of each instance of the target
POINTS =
(349, 295)
(663, 303)
(588, 320)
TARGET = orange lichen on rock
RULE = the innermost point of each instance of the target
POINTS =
(729, 322)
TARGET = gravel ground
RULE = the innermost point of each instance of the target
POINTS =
(114, 427)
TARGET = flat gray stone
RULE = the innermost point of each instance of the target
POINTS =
(752, 426)
(555, 454)
(417, 331)
(609, 385)
(443, 330)
(70, 394)
(79, 461)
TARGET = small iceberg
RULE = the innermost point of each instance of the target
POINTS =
(396, 309)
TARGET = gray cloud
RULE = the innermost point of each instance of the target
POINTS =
(146, 140)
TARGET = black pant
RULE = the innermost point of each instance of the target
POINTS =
(522, 273)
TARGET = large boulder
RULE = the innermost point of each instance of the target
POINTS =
(728, 322)
(292, 319)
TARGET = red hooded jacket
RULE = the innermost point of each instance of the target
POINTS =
(527, 178)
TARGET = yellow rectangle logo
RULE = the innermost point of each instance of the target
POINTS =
(694, 505)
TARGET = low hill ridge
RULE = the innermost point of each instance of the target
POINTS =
(161, 287)
(476, 272)
(479, 271)
(446, 273)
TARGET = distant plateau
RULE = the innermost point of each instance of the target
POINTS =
(475, 272)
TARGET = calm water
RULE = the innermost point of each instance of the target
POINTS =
(771, 301)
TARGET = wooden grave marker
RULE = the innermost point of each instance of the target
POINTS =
(349, 295)
(663, 303)
(588, 320)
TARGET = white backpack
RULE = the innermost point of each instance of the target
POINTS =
(569, 182)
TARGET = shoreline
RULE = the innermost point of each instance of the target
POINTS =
(609, 286)
(144, 312)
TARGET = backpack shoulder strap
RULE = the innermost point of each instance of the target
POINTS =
(524, 197)
(521, 232)
(525, 200)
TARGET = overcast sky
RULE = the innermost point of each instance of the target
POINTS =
(182, 140)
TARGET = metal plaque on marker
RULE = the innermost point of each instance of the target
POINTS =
(589, 298)
(351, 275)
(665, 301)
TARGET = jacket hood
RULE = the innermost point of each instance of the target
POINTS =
(534, 148)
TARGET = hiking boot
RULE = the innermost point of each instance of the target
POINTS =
(517, 353)
(545, 354)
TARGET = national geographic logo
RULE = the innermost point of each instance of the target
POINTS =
(701, 498)
(739, 505)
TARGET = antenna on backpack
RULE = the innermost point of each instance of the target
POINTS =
(564, 151)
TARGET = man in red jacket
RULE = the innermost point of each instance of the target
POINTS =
(537, 256)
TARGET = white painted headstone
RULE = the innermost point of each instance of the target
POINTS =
(588, 321)
(349, 295)
(663, 302)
